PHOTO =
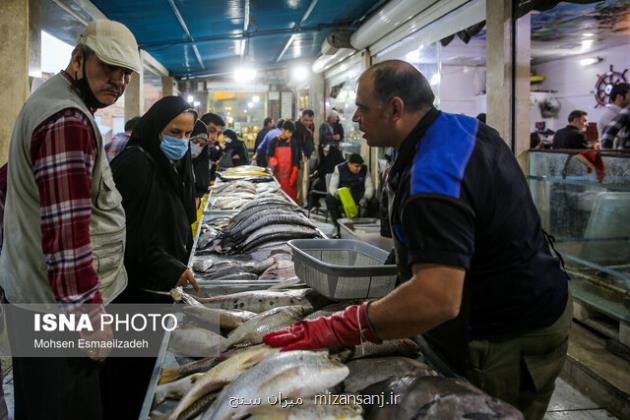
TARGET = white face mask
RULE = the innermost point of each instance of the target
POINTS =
(195, 149)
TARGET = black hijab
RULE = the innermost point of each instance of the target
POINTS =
(146, 134)
(201, 164)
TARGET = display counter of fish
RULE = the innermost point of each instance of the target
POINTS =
(244, 378)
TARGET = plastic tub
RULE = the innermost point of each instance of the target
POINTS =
(343, 268)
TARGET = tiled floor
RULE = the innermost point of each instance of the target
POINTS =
(568, 403)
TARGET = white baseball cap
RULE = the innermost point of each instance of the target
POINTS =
(112, 43)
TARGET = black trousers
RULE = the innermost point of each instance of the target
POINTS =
(54, 387)
(334, 209)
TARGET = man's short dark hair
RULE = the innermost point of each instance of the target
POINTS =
(356, 159)
(619, 89)
(129, 125)
(211, 118)
(288, 125)
(398, 78)
(267, 121)
(308, 112)
(279, 125)
(576, 114)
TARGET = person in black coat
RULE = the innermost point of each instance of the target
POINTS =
(235, 149)
(329, 157)
(155, 178)
(200, 159)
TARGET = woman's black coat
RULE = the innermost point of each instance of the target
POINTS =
(158, 198)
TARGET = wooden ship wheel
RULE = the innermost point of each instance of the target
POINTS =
(605, 83)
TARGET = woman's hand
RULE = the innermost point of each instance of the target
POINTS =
(187, 278)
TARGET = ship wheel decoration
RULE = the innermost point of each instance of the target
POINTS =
(605, 83)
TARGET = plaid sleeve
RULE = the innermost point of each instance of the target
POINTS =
(610, 131)
(63, 152)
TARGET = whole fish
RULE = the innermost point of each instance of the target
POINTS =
(275, 218)
(223, 373)
(202, 365)
(258, 300)
(295, 232)
(436, 397)
(365, 372)
(195, 342)
(240, 275)
(306, 411)
(174, 390)
(179, 295)
(282, 269)
(292, 373)
(198, 407)
(218, 318)
(252, 331)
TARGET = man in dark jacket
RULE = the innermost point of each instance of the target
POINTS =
(215, 150)
(235, 153)
(267, 125)
(304, 137)
(329, 158)
(572, 136)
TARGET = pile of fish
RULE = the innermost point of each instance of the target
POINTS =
(275, 267)
(263, 221)
(239, 377)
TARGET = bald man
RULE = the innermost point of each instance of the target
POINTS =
(478, 278)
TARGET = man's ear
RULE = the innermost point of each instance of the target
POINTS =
(396, 107)
(76, 61)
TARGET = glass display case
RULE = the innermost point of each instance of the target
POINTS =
(589, 221)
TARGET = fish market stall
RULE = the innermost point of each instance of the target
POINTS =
(214, 365)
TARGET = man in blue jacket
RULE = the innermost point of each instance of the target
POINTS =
(478, 278)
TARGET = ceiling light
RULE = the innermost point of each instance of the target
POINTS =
(250, 104)
(245, 74)
(299, 73)
(256, 99)
(196, 103)
(190, 99)
(587, 34)
(245, 111)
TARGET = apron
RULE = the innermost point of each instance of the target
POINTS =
(283, 171)
(450, 339)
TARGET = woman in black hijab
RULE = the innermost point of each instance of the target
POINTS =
(200, 158)
(155, 178)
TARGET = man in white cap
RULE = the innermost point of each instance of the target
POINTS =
(64, 222)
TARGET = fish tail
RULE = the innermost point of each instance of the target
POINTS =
(168, 375)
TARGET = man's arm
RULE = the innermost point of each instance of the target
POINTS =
(612, 129)
(334, 183)
(63, 152)
(431, 297)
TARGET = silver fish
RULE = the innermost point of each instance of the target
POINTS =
(293, 374)
(223, 373)
(218, 318)
(365, 372)
(195, 342)
(258, 300)
(252, 331)
(174, 390)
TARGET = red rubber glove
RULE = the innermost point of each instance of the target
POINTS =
(341, 329)
(273, 161)
(294, 176)
(595, 158)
